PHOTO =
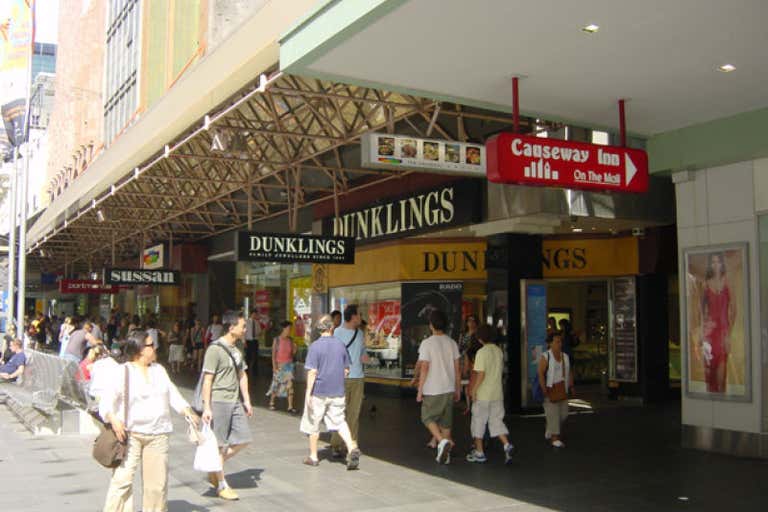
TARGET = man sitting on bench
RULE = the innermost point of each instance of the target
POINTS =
(14, 367)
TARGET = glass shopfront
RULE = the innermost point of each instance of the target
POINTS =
(396, 285)
(277, 292)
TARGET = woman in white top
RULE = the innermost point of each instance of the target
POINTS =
(215, 330)
(554, 370)
(151, 396)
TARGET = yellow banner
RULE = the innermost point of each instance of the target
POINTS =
(16, 32)
(595, 257)
(413, 261)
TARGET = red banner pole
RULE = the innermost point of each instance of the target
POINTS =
(515, 106)
(622, 125)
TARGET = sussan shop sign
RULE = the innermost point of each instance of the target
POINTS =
(525, 160)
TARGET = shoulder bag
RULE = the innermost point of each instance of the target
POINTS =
(197, 397)
(108, 450)
(557, 392)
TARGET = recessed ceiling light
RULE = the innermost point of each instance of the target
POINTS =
(591, 28)
(577, 230)
(726, 68)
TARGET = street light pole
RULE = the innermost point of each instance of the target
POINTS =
(12, 192)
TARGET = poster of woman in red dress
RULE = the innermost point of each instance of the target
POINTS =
(717, 322)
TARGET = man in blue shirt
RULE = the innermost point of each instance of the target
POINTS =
(354, 340)
(14, 367)
(328, 364)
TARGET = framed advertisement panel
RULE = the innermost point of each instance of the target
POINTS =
(716, 322)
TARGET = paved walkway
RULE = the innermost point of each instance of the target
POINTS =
(617, 459)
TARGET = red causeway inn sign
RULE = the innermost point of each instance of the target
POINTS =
(85, 286)
(525, 160)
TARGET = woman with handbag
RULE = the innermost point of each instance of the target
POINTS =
(283, 354)
(556, 380)
(138, 412)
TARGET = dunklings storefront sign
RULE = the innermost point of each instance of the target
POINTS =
(285, 248)
(116, 276)
(451, 205)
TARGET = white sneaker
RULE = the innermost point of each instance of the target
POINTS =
(443, 451)
(558, 444)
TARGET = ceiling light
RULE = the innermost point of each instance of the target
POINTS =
(100, 216)
(591, 28)
(726, 68)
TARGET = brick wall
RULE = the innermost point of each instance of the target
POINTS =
(77, 114)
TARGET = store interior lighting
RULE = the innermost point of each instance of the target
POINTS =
(100, 216)
(726, 68)
(590, 29)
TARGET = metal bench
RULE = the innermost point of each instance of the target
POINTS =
(47, 386)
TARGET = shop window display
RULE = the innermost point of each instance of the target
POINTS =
(380, 308)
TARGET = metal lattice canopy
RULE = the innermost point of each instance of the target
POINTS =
(282, 144)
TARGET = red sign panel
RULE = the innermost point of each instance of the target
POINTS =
(85, 286)
(525, 160)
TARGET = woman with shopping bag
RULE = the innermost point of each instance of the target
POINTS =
(144, 424)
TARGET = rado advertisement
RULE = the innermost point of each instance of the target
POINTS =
(450, 205)
(115, 276)
(287, 248)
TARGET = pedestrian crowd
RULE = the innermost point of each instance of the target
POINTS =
(118, 361)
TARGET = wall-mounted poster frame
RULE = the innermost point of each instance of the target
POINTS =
(716, 322)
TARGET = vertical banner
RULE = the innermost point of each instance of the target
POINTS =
(624, 344)
(418, 301)
(16, 38)
(534, 335)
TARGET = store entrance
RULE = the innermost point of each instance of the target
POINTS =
(580, 308)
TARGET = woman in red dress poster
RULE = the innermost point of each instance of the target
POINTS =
(718, 315)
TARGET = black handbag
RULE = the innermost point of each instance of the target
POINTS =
(108, 450)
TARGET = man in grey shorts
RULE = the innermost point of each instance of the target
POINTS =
(225, 380)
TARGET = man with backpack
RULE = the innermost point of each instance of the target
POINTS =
(225, 398)
(354, 339)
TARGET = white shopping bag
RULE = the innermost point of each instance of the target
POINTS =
(207, 458)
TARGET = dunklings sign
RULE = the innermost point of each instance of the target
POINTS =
(286, 248)
(455, 204)
(141, 277)
(525, 160)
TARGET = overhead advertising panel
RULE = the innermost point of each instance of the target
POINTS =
(386, 151)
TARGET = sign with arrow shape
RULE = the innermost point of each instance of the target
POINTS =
(525, 160)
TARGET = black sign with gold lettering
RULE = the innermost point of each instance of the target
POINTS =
(455, 204)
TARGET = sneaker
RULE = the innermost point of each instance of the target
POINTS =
(475, 456)
(509, 451)
(443, 451)
(353, 462)
(547, 436)
(558, 444)
(228, 494)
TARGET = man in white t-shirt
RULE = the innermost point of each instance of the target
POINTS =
(439, 384)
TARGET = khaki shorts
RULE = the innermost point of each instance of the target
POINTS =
(490, 414)
(437, 409)
(328, 409)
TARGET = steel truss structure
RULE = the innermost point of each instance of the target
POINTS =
(282, 144)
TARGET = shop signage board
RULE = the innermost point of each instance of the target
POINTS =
(624, 353)
(154, 257)
(526, 160)
(385, 151)
(418, 301)
(289, 248)
(450, 205)
(85, 286)
(585, 257)
(161, 277)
